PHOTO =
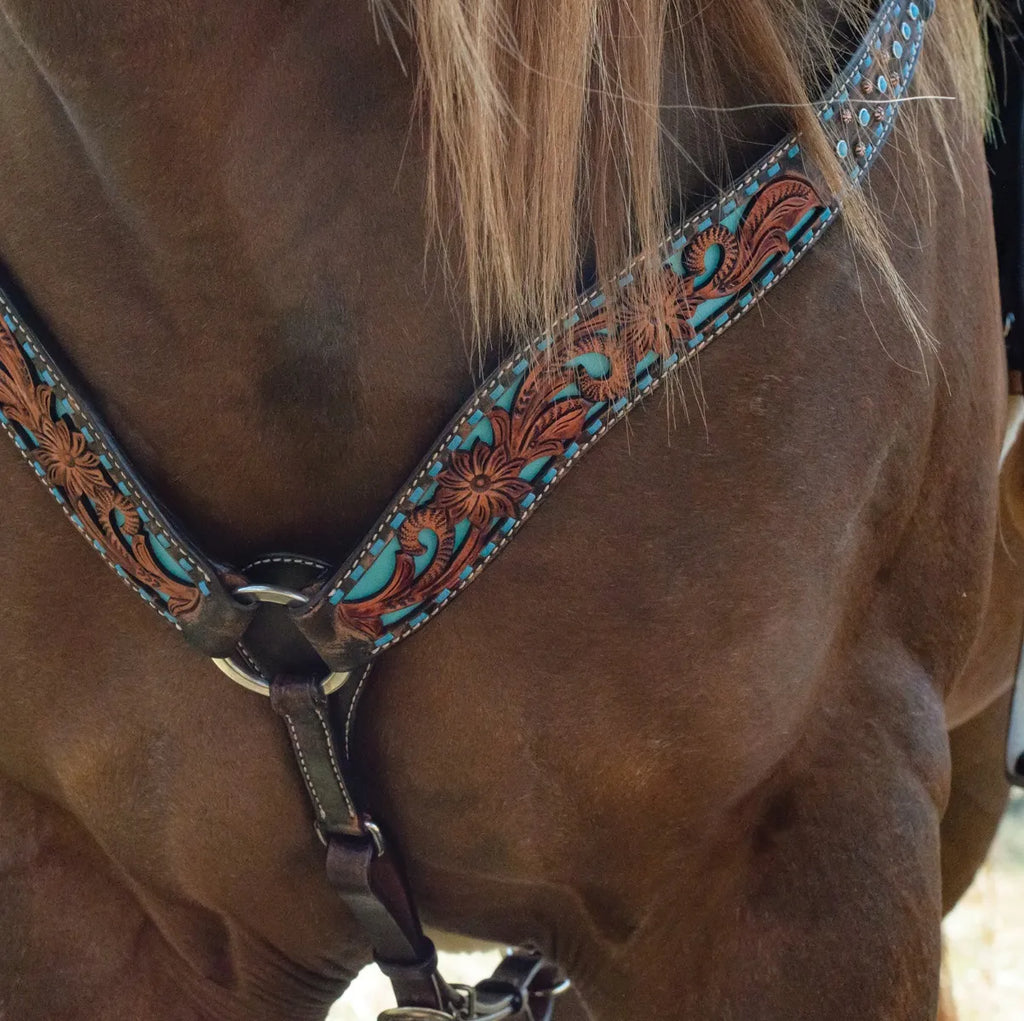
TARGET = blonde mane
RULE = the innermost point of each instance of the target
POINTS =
(545, 134)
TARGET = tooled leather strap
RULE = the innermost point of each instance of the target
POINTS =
(512, 442)
(519, 434)
(74, 455)
(551, 400)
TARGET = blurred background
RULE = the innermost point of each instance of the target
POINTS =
(984, 938)
(985, 932)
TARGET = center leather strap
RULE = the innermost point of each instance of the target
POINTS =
(302, 704)
(361, 868)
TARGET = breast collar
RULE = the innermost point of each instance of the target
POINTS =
(516, 437)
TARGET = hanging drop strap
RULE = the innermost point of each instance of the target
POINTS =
(365, 872)
(360, 866)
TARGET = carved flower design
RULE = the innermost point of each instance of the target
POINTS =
(67, 459)
(482, 483)
(117, 516)
(656, 325)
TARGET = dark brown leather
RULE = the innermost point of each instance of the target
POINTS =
(219, 621)
(373, 888)
(360, 868)
(301, 703)
(532, 981)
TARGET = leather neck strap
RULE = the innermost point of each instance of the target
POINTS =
(517, 436)
(512, 442)
(360, 865)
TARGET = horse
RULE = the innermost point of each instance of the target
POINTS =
(720, 732)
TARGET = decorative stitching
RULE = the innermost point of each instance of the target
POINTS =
(38, 414)
(351, 714)
(890, 78)
(501, 542)
(310, 786)
(125, 578)
(294, 558)
(775, 157)
(508, 375)
(328, 737)
(116, 469)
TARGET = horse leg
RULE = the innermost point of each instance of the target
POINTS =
(819, 896)
(977, 798)
(56, 887)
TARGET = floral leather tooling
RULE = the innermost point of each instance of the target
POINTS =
(518, 435)
(527, 424)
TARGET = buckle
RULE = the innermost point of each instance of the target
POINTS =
(248, 678)
(492, 999)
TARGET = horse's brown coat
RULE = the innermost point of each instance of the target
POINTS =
(688, 732)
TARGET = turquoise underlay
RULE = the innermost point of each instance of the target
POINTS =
(593, 363)
(534, 468)
(597, 366)
(429, 540)
(645, 363)
(379, 573)
(387, 619)
(372, 568)
(173, 567)
(483, 432)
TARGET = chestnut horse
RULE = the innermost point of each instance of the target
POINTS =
(721, 730)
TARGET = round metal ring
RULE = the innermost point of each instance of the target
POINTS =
(270, 594)
(249, 679)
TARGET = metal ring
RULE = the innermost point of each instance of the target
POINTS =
(270, 594)
(249, 679)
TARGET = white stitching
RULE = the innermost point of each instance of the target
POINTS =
(583, 447)
(500, 544)
(296, 558)
(311, 787)
(117, 473)
(64, 506)
(778, 155)
(334, 762)
(351, 714)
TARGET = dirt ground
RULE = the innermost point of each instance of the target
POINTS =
(984, 934)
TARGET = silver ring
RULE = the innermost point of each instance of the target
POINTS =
(249, 679)
(270, 594)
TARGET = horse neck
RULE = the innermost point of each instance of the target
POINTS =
(218, 212)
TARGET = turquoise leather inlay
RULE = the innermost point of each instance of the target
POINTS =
(516, 437)
(535, 416)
